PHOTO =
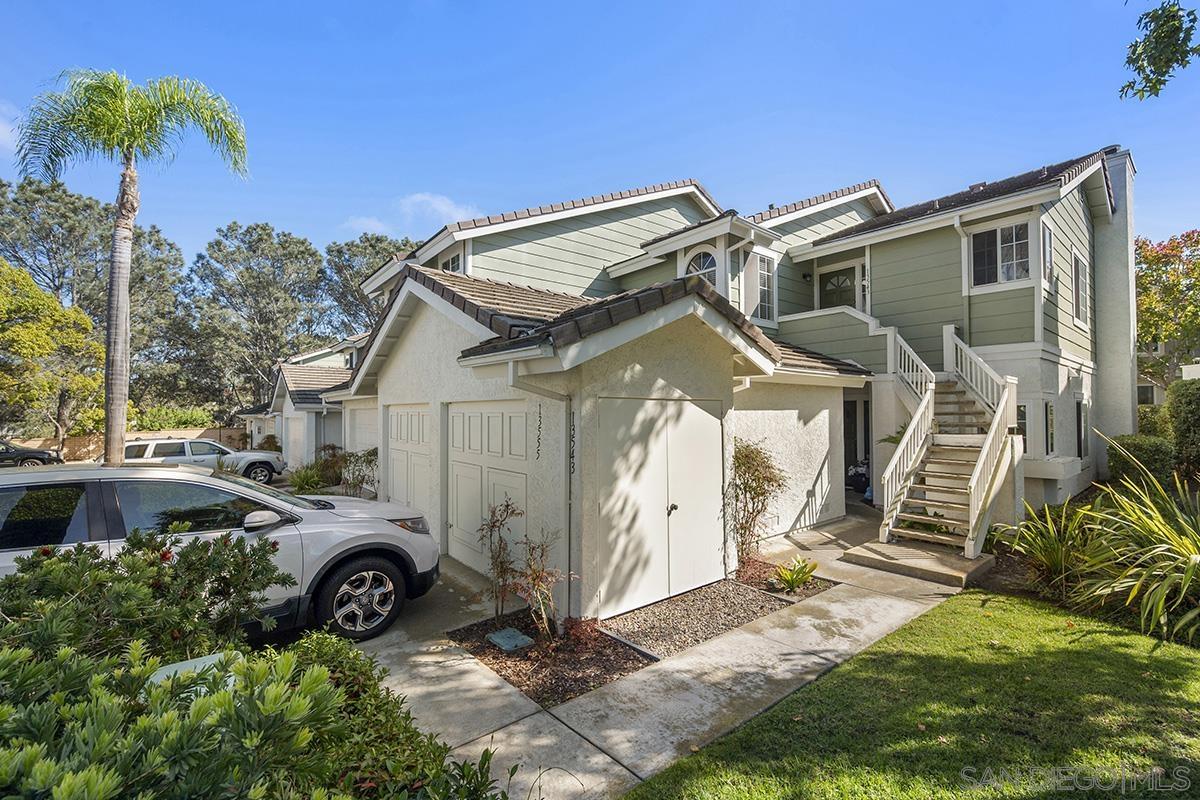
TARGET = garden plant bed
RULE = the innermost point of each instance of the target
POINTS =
(758, 573)
(679, 622)
(553, 672)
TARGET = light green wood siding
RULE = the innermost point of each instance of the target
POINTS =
(658, 273)
(1072, 223)
(1002, 317)
(839, 335)
(916, 285)
(795, 294)
(570, 255)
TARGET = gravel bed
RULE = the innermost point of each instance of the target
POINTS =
(675, 624)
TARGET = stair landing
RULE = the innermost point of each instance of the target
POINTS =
(929, 562)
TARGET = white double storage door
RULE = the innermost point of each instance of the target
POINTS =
(661, 526)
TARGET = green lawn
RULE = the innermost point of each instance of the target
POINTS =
(983, 681)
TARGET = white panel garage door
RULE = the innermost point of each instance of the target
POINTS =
(295, 439)
(489, 456)
(410, 430)
(362, 429)
(660, 506)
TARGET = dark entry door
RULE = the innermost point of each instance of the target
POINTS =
(837, 288)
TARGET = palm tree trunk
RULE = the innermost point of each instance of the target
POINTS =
(116, 357)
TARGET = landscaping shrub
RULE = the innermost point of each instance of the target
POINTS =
(269, 442)
(756, 482)
(168, 417)
(306, 479)
(493, 534)
(1153, 452)
(330, 461)
(1056, 541)
(1183, 402)
(359, 472)
(182, 600)
(1155, 421)
(534, 581)
(791, 576)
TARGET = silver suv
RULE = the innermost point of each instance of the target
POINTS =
(260, 466)
(355, 561)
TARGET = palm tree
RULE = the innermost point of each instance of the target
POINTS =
(103, 115)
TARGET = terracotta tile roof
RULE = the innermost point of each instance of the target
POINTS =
(1058, 174)
(306, 382)
(796, 357)
(800, 205)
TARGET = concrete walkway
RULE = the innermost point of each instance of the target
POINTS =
(602, 743)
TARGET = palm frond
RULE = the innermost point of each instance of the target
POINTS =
(179, 103)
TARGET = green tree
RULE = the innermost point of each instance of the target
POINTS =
(103, 115)
(348, 264)
(62, 240)
(1168, 283)
(49, 362)
(260, 297)
(1164, 46)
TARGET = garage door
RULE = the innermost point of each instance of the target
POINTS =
(295, 439)
(362, 429)
(488, 462)
(660, 506)
(410, 430)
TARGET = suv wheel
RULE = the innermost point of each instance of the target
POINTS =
(259, 473)
(361, 598)
(29, 462)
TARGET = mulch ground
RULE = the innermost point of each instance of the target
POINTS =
(757, 573)
(1011, 573)
(679, 622)
(553, 672)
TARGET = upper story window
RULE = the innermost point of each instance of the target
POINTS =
(1048, 258)
(703, 264)
(1079, 288)
(766, 289)
(1000, 255)
(452, 264)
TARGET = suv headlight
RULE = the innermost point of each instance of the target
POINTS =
(414, 524)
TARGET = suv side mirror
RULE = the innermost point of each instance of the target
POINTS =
(262, 520)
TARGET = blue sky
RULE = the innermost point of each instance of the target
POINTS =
(398, 117)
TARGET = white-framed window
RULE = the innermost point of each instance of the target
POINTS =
(1082, 429)
(1079, 288)
(1000, 255)
(452, 264)
(1048, 279)
(1145, 395)
(704, 264)
(766, 289)
(1023, 421)
(1048, 407)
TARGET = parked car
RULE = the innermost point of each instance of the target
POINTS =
(14, 455)
(260, 466)
(355, 561)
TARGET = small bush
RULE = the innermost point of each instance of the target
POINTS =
(330, 461)
(269, 442)
(1183, 402)
(534, 581)
(493, 534)
(167, 418)
(1152, 452)
(359, 472)
(306, 479)
(756, 482)
(791, 576)
(1056, 541)
(1155, 421)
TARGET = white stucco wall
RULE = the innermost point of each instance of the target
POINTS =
(801, 426)
(357, 433)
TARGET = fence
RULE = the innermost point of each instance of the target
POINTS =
(91, 446)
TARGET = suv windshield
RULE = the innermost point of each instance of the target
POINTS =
(283, 497)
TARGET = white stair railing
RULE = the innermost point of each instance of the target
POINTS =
(988, 474)
(898, 475)
(908, 365)
(970, 370)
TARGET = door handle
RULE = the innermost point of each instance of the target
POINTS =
(672, 508)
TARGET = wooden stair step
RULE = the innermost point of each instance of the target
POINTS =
(945, 522)
(957, 448)
(944, 461)
(928, 536)
(947, 489)
(928, 473)
(925, 502)
(972, 414)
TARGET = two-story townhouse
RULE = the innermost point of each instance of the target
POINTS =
(595, 360)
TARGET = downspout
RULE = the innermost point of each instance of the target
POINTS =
(966, 300)
(515, 381)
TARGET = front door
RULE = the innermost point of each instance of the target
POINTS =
(850, 432)
(837, 288)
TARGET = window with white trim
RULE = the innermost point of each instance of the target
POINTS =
(1079, 288)
(766, 289)
(703, 264)
(1082, 429)
(1022, 421)
(452, 264)
(1000, 255)
(1048, 258)
(1048, 407)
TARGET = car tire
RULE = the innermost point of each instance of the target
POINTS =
(361, 598)
(31, 462)
(259, 472)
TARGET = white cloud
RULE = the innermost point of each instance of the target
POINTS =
(415, 215)
(8, 128)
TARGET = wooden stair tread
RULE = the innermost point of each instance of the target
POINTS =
(926, 502)
(937, 460)
(962, 476)
(945, 522)
(928, 536)
(946, 489)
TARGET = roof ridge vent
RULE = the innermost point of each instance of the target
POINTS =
(975, 187)
(936, 205)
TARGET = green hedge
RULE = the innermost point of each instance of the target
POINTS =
(1183, 402)
(1155, 421)
(1155, 453)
